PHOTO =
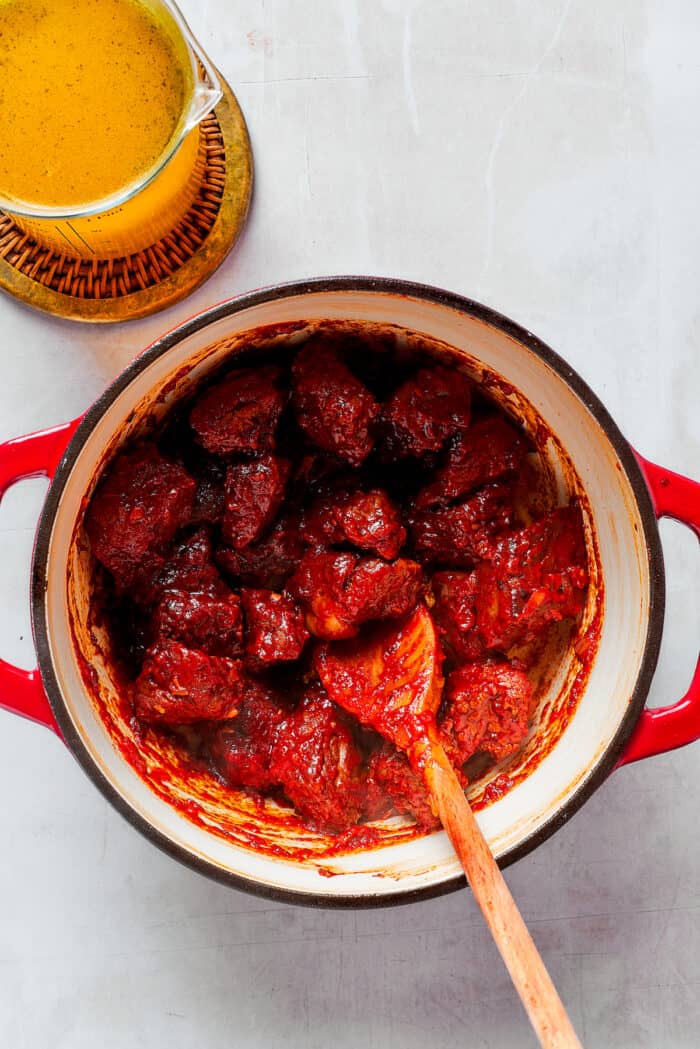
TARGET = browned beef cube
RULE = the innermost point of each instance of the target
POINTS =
(315, 469)
(254, 493)
(486, 706)
(464, 715)
(240, 414)
(429, 408)
(275, 631)
(535, 576)
(210, 621)
(332, 407)
(489, 450)
(137, 509)
(209, 499)
(179, 685)
(341, 591)
(391, 776)
(141, 584)
(376, 803)
(186, 566)
(459, 535)
(316, 760)
(269, 562)
(241, 749)
(189, 566)
(454, 615)
(369, 520)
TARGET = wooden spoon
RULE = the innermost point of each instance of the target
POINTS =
(391, 681)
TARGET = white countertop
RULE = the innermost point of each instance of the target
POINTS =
(540, 157)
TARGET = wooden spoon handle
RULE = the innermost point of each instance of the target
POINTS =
(527, 970)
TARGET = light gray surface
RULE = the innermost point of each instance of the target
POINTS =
(543, 158)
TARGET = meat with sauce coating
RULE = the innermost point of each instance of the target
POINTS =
(275, 631)
(208, 620)
(241, 749)
(239, 415)
(454, 614)
(486, 452)
(534, 577)
(369, 520)
(137, 509)
(270, 561)
(426, 410)
(390, 776)
(341, 591)
(485, 707)
(462, 534)
(179, 685)
(317, 762)
(332, 407)
(253, 495)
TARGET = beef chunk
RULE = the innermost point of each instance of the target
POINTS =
(315, 469)
(241, 749)
(391, 776)
(269, 562)
(510, 696)
(189, 567)
(486, 706)
(275, 630)
(429, 408)
(136, 511)
(341, 591)
(376, 803)
(454, 615)
(179, 685)
(464, 714)
(210, 621)
(535, 576)
(209, 499)
(316, 760)
(369, 520)
(141, 584)
(460, 535)
(486, 452)
(332, 407)
(240, 414)
(254, 493)
(185, 566)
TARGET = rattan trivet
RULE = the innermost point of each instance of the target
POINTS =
(135, 285)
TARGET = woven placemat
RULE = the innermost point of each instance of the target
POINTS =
(135, 285)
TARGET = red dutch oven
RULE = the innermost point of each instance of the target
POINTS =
(74, 692)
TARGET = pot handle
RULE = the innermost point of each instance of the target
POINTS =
(666, 728)
(37, 454)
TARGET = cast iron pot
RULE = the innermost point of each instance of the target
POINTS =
(625, 496)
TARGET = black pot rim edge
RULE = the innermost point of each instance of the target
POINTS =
(407, 289)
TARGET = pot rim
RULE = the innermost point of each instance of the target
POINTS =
(403, 289)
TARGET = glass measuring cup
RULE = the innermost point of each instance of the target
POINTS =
(145, 207)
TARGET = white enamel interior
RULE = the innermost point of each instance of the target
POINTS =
(507, 822)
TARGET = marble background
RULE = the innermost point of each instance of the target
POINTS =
(544, 158)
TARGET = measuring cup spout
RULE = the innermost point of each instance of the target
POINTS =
(207, 91)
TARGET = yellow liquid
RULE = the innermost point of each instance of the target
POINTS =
(91, 92)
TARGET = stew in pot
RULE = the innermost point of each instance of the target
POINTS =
(299, 503)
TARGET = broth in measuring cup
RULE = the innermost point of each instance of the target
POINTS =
(91, 93)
